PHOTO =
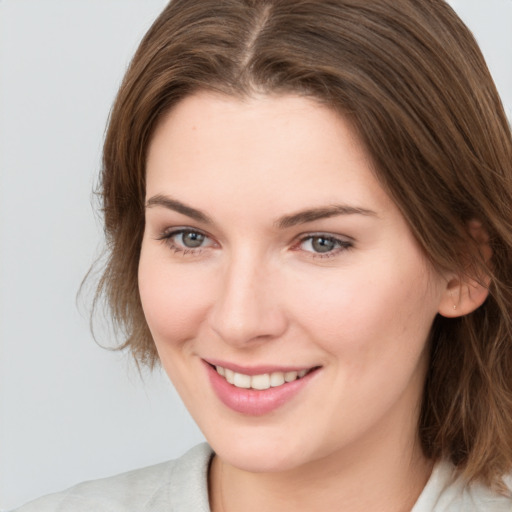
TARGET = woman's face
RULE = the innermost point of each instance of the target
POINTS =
(272, 252)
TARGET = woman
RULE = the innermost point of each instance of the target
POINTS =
(308, 210)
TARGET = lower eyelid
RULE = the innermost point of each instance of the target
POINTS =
(167, 237)
(341, 245)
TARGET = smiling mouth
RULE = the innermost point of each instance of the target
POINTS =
(262, 381)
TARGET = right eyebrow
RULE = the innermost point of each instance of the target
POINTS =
(177, 206)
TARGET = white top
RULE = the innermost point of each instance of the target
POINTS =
(181, 486)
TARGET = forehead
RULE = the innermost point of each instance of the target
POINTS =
(283, 149)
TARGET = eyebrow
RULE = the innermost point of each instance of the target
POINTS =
(177, 206)
(312, 214)
(287, 221)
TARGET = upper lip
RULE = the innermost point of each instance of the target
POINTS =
(257, 369)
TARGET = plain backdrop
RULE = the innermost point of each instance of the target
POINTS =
(70, 410)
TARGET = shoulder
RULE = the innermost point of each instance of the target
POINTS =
(446, 491)
(180, 484)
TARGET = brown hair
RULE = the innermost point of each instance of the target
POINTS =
(410, 76)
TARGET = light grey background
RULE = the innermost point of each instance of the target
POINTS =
(69, 410)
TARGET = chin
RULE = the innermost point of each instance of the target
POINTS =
(255, 461)
(260, 453)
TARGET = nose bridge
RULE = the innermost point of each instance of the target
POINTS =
(247, 307)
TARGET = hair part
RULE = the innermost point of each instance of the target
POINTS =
(410, 77)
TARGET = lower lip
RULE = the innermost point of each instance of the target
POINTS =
(255, 402)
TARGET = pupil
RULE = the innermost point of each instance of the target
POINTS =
(192, 239)
(321, 244)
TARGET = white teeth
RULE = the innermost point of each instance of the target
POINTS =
(259, 382)
(230, 376)
(242, 381)
(290, 376)
(277, 379)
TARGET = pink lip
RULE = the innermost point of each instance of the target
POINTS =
(254, 402)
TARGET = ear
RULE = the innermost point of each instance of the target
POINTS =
(465, 293)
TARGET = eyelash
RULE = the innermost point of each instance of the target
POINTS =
(168, 236)
(340, 245)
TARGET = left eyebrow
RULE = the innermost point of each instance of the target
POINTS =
(288, 221)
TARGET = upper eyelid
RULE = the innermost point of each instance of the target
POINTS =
(326, 234)
(175, 230)
(342, 245)
(342, 241)
(166, 236)
(302, 236)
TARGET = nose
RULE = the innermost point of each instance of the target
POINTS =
(248, 305)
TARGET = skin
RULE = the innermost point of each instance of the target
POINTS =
(255, 293)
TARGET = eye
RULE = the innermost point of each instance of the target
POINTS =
(323, 245)
(190, 239)
(186, 240)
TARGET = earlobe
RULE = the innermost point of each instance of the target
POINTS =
(463, 296)
(466, 293)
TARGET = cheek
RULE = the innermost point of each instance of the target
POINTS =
(374, 326)
(368, 312)
(173, 299)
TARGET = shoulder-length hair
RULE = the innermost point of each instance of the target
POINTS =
(410, 76)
